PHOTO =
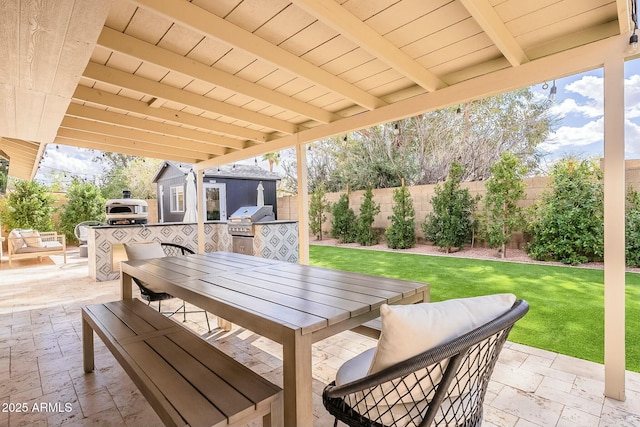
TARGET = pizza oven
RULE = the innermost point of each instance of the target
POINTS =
(126, 211)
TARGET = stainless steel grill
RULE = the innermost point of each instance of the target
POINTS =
(241, 226)
(241, 221)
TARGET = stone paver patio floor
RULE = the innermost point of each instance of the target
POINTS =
(42, 382)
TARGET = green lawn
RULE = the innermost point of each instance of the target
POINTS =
(566, 303)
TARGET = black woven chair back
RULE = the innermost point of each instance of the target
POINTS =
(170, 249)
(444, 386)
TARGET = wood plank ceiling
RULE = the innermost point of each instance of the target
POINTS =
(215, 81)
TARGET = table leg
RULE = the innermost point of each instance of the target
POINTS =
(87, 346)
(297, 380)
(126, 283)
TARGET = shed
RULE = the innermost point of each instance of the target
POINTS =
(226, 189)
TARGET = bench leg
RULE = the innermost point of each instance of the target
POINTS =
(87, 346)
(276, 417)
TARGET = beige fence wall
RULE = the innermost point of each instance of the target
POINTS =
(422, 194)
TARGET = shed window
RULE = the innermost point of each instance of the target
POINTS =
(177, 198)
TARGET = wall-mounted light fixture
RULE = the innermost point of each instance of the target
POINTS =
(553, 93)
(633, 40)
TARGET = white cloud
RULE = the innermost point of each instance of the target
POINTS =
(72, 161)
(570, 106)
(632, 136)
(570, 137)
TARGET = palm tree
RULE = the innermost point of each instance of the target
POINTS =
(273, 159)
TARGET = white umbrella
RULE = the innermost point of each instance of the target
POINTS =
(260, 195)
(191, 200)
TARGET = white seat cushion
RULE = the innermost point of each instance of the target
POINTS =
(356, 367)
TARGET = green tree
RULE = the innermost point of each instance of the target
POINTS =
(343, 225)
(318, 207)
(505, 188)
(4, 175)
(632, 228)
(421, 149)
(567, 223)
(30, 206)
(273, 159)
(84, 203)
(451, 223)
(366, 235)
(130, 173)
(401, 233)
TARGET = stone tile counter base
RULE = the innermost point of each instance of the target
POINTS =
(275, 240)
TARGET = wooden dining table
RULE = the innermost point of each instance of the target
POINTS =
(292, 304)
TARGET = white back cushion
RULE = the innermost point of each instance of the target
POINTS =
(408, 330)
(147, 250)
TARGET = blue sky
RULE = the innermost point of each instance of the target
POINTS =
(578, 105)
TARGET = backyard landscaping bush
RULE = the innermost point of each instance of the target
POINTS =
(318, 207)
(567, 223)
(401, 233)
(505, 189)
(632, 228)
(30, 206)
(343, 226)
(366, 235)
(84, 203)
(450, 224)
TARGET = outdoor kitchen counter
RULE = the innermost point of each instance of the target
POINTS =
(274, 240)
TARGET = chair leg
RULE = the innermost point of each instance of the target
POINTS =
(184, 311)
(207, 317)
(159, 306)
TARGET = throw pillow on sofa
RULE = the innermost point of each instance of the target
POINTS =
(16, 239)
(32, 238)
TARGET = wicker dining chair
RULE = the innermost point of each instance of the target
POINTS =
(169, 249)
(443, 386)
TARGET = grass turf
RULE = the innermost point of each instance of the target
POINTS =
(566, 303)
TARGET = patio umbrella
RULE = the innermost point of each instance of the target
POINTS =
(191, 200)
(260, 195)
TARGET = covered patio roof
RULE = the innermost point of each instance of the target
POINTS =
(211, 82)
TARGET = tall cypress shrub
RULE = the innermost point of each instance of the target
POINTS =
(343, 225)
(401, 233)
(366, 234)
(451, 223)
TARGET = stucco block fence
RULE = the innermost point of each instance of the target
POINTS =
(422, 194)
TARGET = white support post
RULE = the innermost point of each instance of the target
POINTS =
(303, 205)
(201, 208)
(614, 233)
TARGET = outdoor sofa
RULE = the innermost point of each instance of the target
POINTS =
(32, 243)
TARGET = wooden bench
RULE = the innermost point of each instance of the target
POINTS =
(186, 380)
(371, 329)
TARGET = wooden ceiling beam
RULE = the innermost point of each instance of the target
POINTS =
(123, 145)
(625, 23)
(484, 14)
(139, 84)
(565, 63)
(127, 121)
(210, 25)
(116, 148)
(338, 18)
(204, 150)
(106, 99)
(147, 52)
